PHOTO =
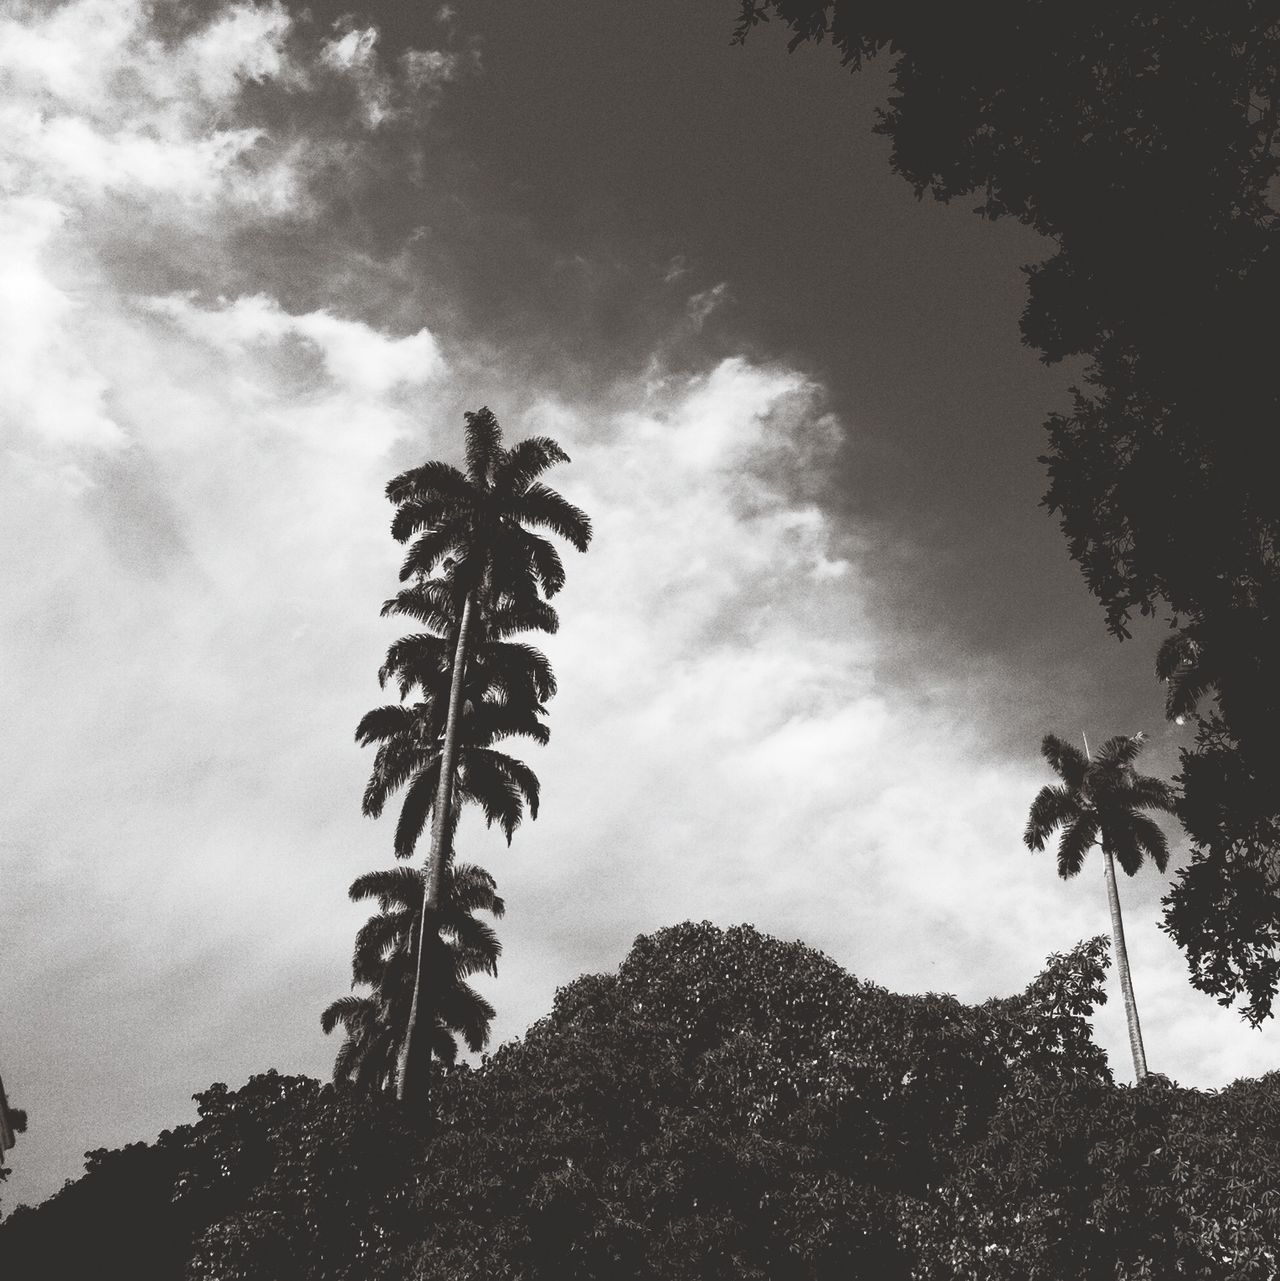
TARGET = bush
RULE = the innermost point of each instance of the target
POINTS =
(724, 1106)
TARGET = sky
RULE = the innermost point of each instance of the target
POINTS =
(257, 260)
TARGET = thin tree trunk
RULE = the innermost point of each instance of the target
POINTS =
(413, 1069)
(1122, 964)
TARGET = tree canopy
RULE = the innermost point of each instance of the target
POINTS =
(724, 1105)
(1140, 139)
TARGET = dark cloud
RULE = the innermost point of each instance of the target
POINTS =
(596, 145)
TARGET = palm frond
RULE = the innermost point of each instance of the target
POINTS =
(395, 764)
(475, 946)
(490, 723)
(1150, 840)
(1182, 664)
(1179, 649)
(1120, 751)
(1185, 693)
(350, 1011)
(545, 562)
(430, 548)
(507, 618)
(484, 445)
(391, 886)
(1053, 807)
(348, 1059)
(510, 768)
(528, 662)
(420, 514)
(377, 938)
(472, 889)
(383, 723)
(431, 479)
(1068, 761)
(443, 1045)
(525, 462)
(493, 790)
(1118, 838)
(543, 508)
(429, 600)
(1077, 840)
(463, 1008)
(419, 801)
(417, 659)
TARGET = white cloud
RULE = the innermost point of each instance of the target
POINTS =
(354, 355)
(49, 386)
(247, 42)
(98, 104)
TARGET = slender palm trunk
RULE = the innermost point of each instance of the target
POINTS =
(1122, 964)
(413, 1069)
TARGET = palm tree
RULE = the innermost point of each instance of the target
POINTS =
(1102, 799)
(385, 949)
(479, 525)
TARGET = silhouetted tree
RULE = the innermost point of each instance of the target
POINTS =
(723, 1105)
(1141, 139)
(480, 526)
(1102, 801)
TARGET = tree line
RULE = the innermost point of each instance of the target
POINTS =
(723, 1105)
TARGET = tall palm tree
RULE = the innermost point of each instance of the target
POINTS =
(1103, 799)
(384, 955)
(479, 525)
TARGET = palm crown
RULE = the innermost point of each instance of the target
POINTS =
(1100, 799)
(483, 521)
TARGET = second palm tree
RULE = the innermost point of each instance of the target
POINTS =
(1103, 799)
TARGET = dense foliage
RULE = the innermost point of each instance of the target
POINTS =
(1141, 139)
(724, 1106)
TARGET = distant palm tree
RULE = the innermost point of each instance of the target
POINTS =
(1102, 799)
(385, 952)
(479, 525)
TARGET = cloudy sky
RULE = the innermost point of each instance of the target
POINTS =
(257, 259)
